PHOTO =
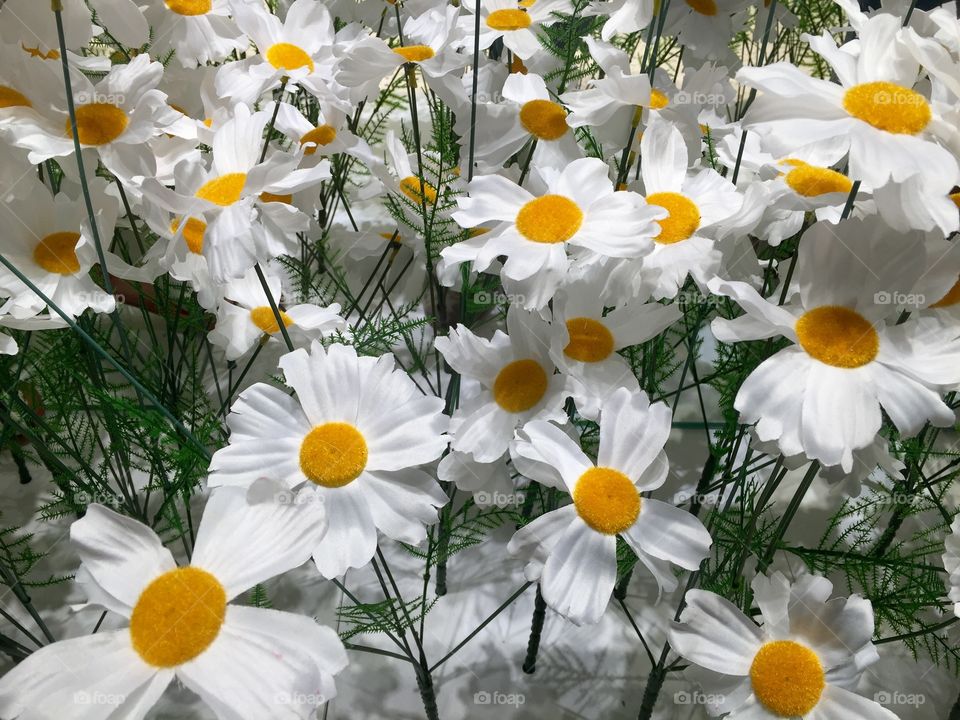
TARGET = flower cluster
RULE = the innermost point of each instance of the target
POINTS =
(422, 258)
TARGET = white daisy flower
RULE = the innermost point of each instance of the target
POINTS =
(116, 117)
(198, 31)
(704, 26)
(330, 136)
(573, 550)
(889, 126)
(244, 662)
(299, 48)
(697, 203)
(587, 349)
(222, 203)
(804, 661)
(847, 361)
(245, 316)
(516, 23)
(579, 211)
(49, 240)
(355, 435)
(517, 380)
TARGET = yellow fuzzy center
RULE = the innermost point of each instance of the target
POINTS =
(12, 98)
(704, 7)
(549, 219)
(319, 136)
(837, 336)
(286, 56)
(415, 189)
(333, 454)
(787, 678)
(224, 190)
(98, 123)
(544, 119)
(606, 500)
(951, 298)
(192, 233)
(658, 100)
(57, 253)
(590, 341)
(189, 7)
(520, 385)
(811, 180)
(683, 220)
(264, 319)
(888, 107)
(508, 19)
(414, 53)
(177, 616)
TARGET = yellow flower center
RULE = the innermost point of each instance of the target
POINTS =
(12, 98)
(520, 385)
(544, 119)
(590, 340)
(98, 123)
(837, 336)
(415, 189)
(811, 180)
(333, 454)
(269, 197)
(264, 319)
(549, 219)
(787, 678)
(658, 100)
(704, 7)
(951, 298)
(606, 500)
(683, 220)
(57, 253)
(192, 233)
(319, 136)
(508, 19)
(285, 56)
(177, 616)
(414, 53)
(224, 190)
(526, 3)
(888, 107)
(38, 53)
(189, 7)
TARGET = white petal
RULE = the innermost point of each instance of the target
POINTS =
(669, 533)
(351, 538)
(632, 432)
(580, 573)
(714, 634)
(839, 704)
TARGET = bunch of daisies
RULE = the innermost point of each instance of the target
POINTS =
(659, 296)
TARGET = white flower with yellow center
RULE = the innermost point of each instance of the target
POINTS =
(300, 48)
(516, 23)
(355, 434)
(846, 361)
(573, 550)
(244, 662)
(221, 204)
(430, 41)
(803, 661)
(888, 125)
(529, 113)
(704, 26)
(697, 203)
(517, 383)
(329, 136)
(198, 31)
(245, 316)
(49, 240)
(115, 118)
(587, 347)
(26, 84)
(580, 214)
